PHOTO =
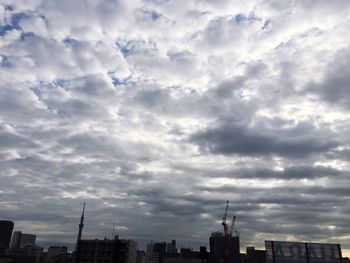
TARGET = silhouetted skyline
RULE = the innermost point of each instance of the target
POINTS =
(156, 112)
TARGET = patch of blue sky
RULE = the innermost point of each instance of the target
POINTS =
(16, 18)
(6, 62)
(4, 29)
(9, 8)
(239, 18)
(118, 81)
(41, 85)
(125, 49)
(69, 41)
(14, 24)
(37, 91)
(60, 82)
(154, 15)
(25, 35)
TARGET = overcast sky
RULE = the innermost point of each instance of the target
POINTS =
(155, 112)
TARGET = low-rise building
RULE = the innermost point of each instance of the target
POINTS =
(107, 251)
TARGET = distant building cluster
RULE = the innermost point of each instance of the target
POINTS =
(18, 247)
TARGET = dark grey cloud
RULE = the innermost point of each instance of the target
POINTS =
(333, 88)
(297, 142)
(295, 172)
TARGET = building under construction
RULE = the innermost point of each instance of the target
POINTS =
(224, 246)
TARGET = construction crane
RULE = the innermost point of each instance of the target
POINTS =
(226, 256)
(224, 221)
(233, 226)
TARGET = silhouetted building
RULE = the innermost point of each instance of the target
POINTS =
(255, 255)
(22, 240)
(27, 254)
(300, 252)
(6, 228)
(7, 259)
(171, 247)
(140, 256)
(182, 260)
(243, 257)
(107, 251)
(187, 255)
(160, 248)
(149, 247)
(56, 250)
(218, 245)
(27, 240)
(204, 254)
(57, 254)
(151, 257)
(16, 238)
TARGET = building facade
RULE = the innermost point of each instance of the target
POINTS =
(218, 246)
(27, 240)
(301, 252)
(21, 240)
(151, 257)
(255, 255)
(6, 228)
(55, 253)
(16, 237)
(107, 251)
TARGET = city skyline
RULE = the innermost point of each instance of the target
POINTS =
(155, 112)
(230, 228)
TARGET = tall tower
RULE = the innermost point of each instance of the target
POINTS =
(81, 225)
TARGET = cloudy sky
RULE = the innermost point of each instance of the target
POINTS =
(155, 112)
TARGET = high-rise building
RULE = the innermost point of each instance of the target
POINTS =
(220, 245)
(6, 228)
